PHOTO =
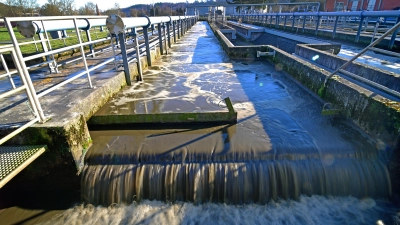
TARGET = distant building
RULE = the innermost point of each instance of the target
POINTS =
(359, 5)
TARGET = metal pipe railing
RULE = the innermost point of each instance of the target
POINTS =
(24, 87)
(119, 27)
(357, 20)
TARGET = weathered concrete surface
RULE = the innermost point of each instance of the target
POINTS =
(388, 79)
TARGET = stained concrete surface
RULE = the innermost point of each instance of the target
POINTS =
(277, 118)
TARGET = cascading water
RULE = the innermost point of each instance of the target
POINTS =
(235, 183)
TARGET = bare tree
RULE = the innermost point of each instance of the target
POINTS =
(115, 10)
(51, 8)
(10, 8)
(67, 7)
(88, 9)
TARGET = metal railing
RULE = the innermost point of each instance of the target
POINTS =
(136, 28)
(355, 76)
(26, 87)
(363, 22)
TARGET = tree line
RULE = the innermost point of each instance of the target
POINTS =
(15, 8)
(159, 9)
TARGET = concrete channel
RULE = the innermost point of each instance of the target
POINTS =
(280, 133)
(278, 120)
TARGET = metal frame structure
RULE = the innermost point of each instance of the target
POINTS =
(41, 26)
(369, 47)
(358, 20)
(26, 86)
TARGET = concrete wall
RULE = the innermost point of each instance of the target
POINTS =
(245, 32)
(382, 77)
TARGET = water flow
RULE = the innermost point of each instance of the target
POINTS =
(234, 183)
(313, 210)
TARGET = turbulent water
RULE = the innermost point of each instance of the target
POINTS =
(307, 210)
(235, 183)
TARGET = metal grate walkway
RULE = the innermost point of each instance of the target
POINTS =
(13, 159)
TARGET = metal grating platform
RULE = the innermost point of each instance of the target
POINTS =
(13, 159)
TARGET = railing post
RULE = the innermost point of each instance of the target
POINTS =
(121, 37)
(294, 20)
(277, 21)
(183, 27)
(89, 38)
(147, 44)
(174, 30)
(178, 31)
(160, 41)
(165, 38)
(45, 49)
(335, 27)
(394, 35)
(359, 29)
(83, 54)
(139, 63)
(180, 28)
(152, 29)
(317, 25)
(284, 23)
(169, 33)
(304, 23)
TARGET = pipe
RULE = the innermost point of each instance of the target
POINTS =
(30, 28)
(117, 24)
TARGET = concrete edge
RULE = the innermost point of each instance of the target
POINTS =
(331, 61)
(222, 117)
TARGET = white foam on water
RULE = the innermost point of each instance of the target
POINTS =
(307, 210)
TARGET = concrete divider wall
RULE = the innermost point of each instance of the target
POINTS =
(385, 78)
(239, 52)
(285, 44)
(245, 32)
(366, 40)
